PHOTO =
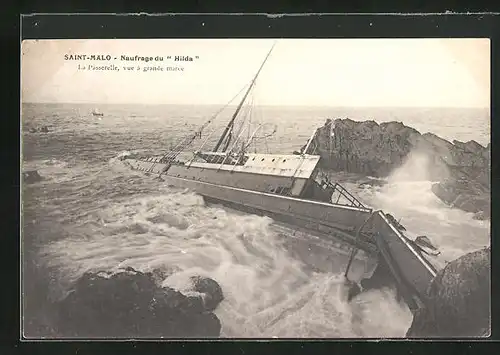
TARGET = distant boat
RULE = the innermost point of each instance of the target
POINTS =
(97, 113)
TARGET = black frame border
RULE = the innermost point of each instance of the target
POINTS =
(52, 26)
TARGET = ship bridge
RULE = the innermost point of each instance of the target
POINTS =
(285, 165)
(284, 174)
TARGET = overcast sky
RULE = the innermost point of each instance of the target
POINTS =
(309, 72)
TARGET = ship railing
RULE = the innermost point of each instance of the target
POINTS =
(342, 192)
(174, 153)
(171, 155)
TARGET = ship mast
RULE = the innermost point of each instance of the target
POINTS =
(231, 122)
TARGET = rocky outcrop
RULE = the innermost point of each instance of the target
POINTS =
(459, 300)
(467, 195)
(43, 129)
(31, 176)
(132, 304)
(372, 149)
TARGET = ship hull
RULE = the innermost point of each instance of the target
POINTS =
(338, 222)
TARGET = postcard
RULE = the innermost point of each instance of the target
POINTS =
(255, 188)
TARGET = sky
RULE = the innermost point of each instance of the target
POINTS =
(305, 72)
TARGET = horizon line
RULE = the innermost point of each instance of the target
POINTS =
(263, 105)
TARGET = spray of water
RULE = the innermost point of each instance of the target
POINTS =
(408, 196)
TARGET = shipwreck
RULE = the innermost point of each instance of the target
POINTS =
(293, 191)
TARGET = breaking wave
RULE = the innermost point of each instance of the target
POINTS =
(407, 195)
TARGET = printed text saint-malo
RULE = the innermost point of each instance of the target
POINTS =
(136, 58)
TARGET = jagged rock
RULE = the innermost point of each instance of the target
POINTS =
(132, 304)
(481, 216)
(459, 300)
(373, 149)
(43, 129)
(211, 290)
(423, 245)
(31, 176)
(394, 222)
(470, 196)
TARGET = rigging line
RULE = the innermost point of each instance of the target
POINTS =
(248, 118)
(234, 98)
(236, 141)
(257, 120)
(217, 113)
(249, 122)
(249, 127)
(214, 116)
(245, 117)
(244, 114)
(251, 140)
(237, 129)
(231, 122)
(186, 141)
(230, 152)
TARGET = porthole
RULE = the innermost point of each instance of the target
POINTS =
(284, 160)
(262, 159)
(274, 159)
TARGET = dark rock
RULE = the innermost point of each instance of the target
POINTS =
(423, 245)
(394, 222)
(132, 304)
(470, 146)
(43, 129)
(211, 289)
(424, 241)
(31, 176)
(470, 196)
(158, 275)
(481, 216)
(459, 300)
(371, 149)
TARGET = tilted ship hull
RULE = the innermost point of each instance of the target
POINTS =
(291, 190)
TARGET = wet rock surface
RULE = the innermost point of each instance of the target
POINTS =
(31, 176)
(43, 129)
(212, 291)
(459, 300)
(467, 195)
(372, 149)
(131, 304)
